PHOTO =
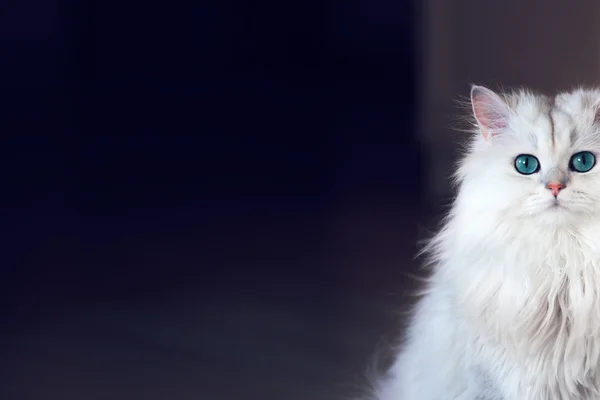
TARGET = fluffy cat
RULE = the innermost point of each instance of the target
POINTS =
(512, 310)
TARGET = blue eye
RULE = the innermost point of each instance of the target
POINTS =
(582, 161)
(527, 164)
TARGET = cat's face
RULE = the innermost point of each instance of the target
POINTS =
(535, 157)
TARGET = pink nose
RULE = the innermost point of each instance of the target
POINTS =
(555, 187)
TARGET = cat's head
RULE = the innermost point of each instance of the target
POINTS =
(533, 157)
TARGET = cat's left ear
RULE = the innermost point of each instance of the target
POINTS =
(490, 110)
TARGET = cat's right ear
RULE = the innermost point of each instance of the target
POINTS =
(490, 110)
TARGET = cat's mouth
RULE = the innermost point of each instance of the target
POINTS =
(557, 205)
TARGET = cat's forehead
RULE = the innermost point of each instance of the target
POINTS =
(532, 120)
(558, 122)
(577, 101)
(529, 105)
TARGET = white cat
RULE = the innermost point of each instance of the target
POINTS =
(512, 310)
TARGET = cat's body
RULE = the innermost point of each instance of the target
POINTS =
(512, 310)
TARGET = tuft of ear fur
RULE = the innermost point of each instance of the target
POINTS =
(490, 110)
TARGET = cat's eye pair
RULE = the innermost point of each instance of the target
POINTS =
(581, 162)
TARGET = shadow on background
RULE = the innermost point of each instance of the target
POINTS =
(205, 194)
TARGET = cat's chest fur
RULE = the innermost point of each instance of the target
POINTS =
(534, 305)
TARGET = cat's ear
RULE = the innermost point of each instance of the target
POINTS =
(490, 110)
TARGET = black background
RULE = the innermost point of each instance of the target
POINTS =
(206, 190)
(146, 145)
(130, 120)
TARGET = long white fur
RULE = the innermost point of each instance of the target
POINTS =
(512, 310)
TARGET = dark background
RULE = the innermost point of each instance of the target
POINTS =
(209, 157)
(158, 121)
